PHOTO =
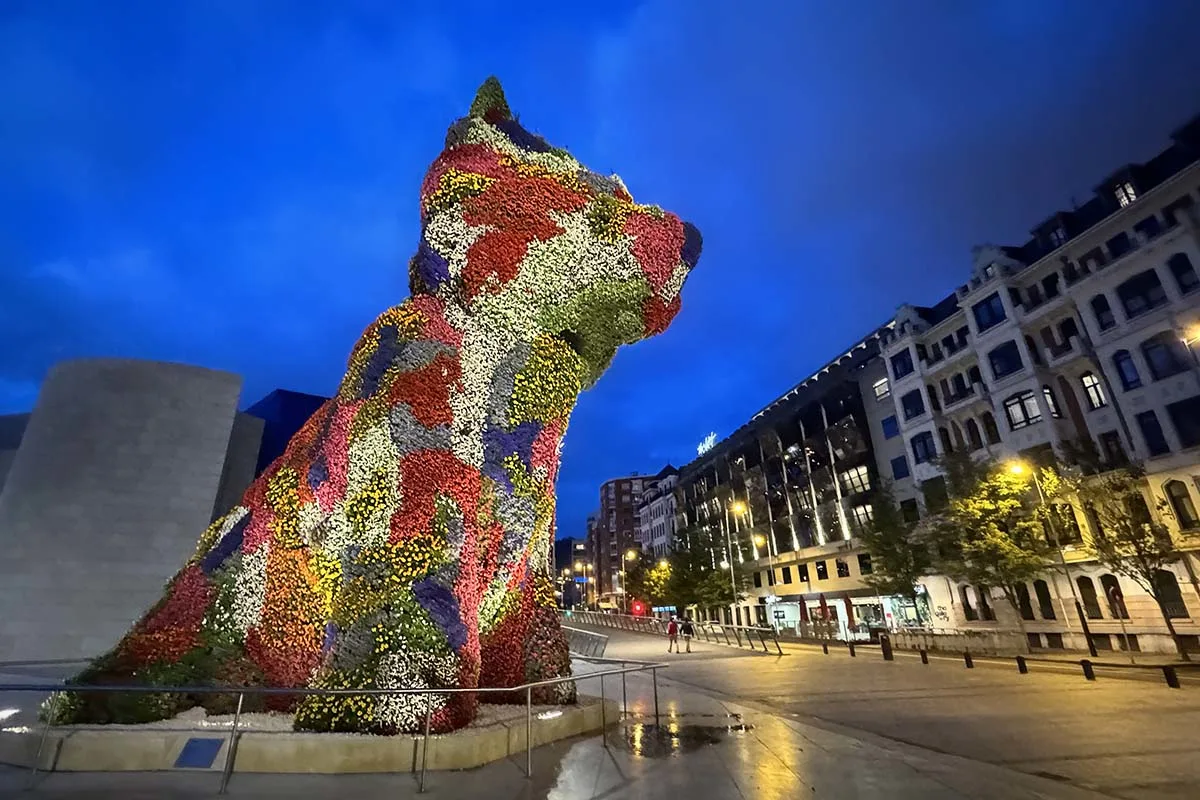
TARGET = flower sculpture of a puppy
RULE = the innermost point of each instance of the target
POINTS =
(401, 540)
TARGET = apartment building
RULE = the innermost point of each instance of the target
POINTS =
(613, 533)
(1079, 341)
(656, 514)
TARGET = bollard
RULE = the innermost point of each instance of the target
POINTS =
(1088, 672)
(967, 659)
(924, 656)
(825, 648)
(851, 645)
(1171, 676)
(1022, 667)
(885, 645)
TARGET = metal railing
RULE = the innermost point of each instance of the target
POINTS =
(713, 632)
(626, 667)
(585, 643)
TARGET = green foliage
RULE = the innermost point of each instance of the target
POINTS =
(899, 554)
(490, 97)
(989, 534)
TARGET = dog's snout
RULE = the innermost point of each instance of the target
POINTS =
(692, 244)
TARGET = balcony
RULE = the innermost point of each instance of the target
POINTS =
(959, 397)
(1060, 354)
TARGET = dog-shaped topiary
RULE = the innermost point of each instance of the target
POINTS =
(402, 540)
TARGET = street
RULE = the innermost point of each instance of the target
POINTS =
(1127, 738)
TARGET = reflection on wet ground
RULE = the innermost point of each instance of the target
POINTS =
(677, 735)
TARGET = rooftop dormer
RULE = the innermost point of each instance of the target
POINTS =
(1123, 187)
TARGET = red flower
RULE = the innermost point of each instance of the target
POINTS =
(657, 245)
(427, 390)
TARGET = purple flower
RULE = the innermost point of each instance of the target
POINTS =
(429, 267)
(385, 352)
(499, 444)
(229, 544)
(442, 606)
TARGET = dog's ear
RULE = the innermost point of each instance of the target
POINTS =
(489, 103)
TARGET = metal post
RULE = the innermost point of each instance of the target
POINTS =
(924, 656)
(885, 645)
(1171, 676)
(425, 744)
(1088, 672)
(851, 646)
(775, 636)
(51, 713)
(825, 648)
(654, 678)
(737, 635)
(1119, 612)
(230, 753)
(1062, 560)
(967, 659)
(603, 715)
(624, 694)
(1022, 667)
(529, 732)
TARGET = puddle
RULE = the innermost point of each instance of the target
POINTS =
(673, 737)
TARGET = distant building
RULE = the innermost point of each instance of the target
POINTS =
(567, 553)
(656, 513)
(12, 429)
(614, 533)
(283, 413)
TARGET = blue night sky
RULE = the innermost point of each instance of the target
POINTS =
(233, 183)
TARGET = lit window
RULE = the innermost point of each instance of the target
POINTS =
(862, 516)
(1093, 390)
(882, 388)
(1051, 403)
(1125, 194)
(1126, 370)
(1022, 409)
(855, 481)
(1058, 236)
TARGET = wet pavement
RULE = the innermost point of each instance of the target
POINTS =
(699, 746)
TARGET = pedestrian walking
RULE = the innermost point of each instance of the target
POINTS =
(688, 632)
(673, 635)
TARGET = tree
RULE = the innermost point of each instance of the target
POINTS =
(987, 536)
(1129, 541)
(695, 576)
(899, 556)
(647, 580)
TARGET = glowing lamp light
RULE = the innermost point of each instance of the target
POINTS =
(760, 540)
(630, 555)
(664, 563)
(1017, 468)
(724, 564)
(579, 566)
(737, 507)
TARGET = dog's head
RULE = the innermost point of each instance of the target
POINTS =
(529, 243)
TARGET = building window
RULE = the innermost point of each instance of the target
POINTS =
(787, 574)
(923, 447)
(1093, 391)
(1114, 596)
(1058, 236)
(1168, 591)
(1021, 410)
(1023, 604)
(973, 439)
(802, 572)
(1185, 416)
(1045, 604)
(757, 580)
(902, 364)
(1005, 359)
(1126, 370)
(843, 569)
(964, 594)
(1185, 275)
(864, 564)
(891, 428)
(1087, 594)
(989, 312)
(1163, 356)
(1181, 503)
(913, 404)
(910, 510)
(1152, 432)
(1141, 293)
(855, 481)
(1105, 318)
(882, 389)
(1111, 448)
(1051, 403)
(862, 516)
(900, 468)
(1125, 193)
(822, 571)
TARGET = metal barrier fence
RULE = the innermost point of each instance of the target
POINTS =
(626, 667)
(714, 632)
(585, 643)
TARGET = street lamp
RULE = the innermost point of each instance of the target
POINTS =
(1019, 468)
(663, 563)
(630, 555)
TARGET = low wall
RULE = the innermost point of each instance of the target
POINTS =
(979, 642)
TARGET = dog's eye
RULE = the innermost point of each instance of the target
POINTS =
(573, 340)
